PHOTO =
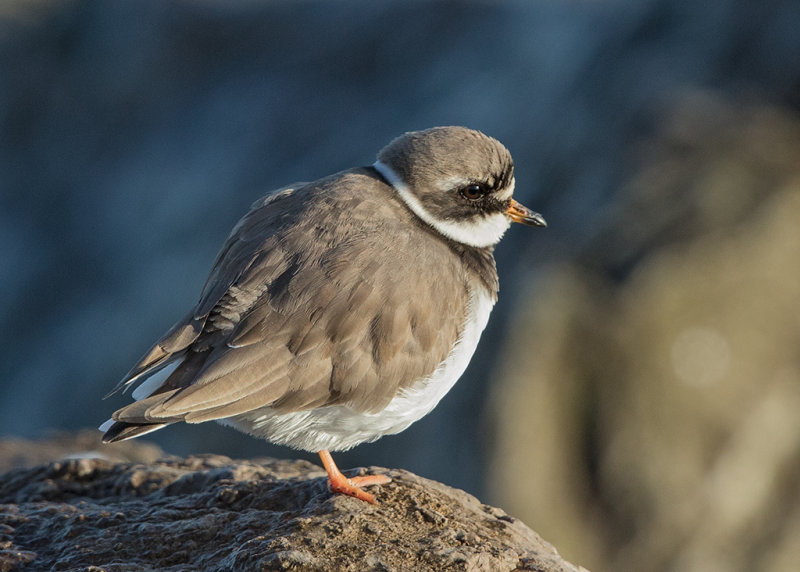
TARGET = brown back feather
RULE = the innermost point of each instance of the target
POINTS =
(308, 305)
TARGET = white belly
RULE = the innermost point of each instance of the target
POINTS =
(339, 427)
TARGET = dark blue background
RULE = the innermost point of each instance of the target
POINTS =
(135, 134)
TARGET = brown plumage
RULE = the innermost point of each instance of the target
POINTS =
(343, 309)
(282, 324)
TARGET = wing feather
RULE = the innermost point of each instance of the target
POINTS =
(316, 312)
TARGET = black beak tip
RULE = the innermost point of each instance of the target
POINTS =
(538, 220)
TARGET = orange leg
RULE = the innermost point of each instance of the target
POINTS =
(338, 483)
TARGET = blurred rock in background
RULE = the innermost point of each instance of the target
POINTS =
(634, 397)
(649, 393)
(20, 453)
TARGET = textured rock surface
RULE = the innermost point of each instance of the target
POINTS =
(212, 513)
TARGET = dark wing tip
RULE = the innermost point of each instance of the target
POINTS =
(120, 431)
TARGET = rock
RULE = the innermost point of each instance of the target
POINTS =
(212, 513)
(18, 452)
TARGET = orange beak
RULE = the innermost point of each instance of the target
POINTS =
(520, 213)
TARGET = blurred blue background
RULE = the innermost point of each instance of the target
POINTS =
(651, 134)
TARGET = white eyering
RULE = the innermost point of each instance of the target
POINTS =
(480, 233)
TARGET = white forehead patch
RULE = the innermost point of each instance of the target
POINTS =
(480, 233)
(506, 193)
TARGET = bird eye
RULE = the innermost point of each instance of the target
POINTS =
(473, 192)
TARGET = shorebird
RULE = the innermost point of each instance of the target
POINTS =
(340, 310)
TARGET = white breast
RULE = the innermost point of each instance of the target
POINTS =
(339, 427)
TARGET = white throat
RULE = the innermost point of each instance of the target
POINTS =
(478, 233)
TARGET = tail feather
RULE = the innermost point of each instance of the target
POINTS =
(164, 352)
(120, 430)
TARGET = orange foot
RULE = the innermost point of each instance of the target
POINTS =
(338, 483)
